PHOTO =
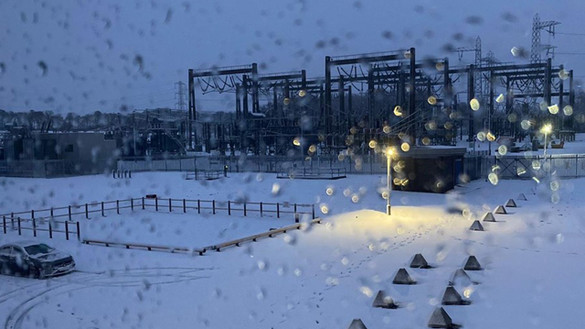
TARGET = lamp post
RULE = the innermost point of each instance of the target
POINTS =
(546, 129)
(389, 153)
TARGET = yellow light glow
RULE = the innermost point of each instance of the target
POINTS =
(546, 129)
(553, 109)
(297, 141)
(389, 151)
(398, 111)
(490, 137)
(474, 104)
(432, 100)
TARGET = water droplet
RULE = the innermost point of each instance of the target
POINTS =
(366, 291)
(432, 100)
(329, 191)
(302, 93)
(500, 98)
(372, 144)
(559, 238)
(275, 189)
(554, 185)
(467, 292)
(345, 261)
(261, 265)
(426, 141)
(286, 101)
(564, 74)
(474, 104)
(398, 111)
(490, 137)
(405, 147)
(296, 141)
(331, 281)
(347, 192)
(493, 178)
(502, 149)
(568, 110)
(298, 272)
(355, 198)
(324, 209)
(481, 136)
(553, 109)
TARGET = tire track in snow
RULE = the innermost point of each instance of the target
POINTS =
(134, 278)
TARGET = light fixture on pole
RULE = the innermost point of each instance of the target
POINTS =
(389, 152)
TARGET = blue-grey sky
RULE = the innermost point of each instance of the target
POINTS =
(83, 56)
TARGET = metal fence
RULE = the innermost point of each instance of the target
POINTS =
(526, 167)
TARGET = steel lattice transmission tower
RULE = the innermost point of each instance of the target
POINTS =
(537, 46)
(478, 81)
(180, 96)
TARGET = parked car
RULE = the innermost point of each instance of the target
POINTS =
(34, 259)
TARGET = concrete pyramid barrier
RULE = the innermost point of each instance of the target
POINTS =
(488, 217)
(472, 264)
(501, 210)
(476, 226)
(357, 324)
(402, 277)
(460, 277)
(419, 262)
(511, 203)
(440, 319)
(384, 301)
(452, 297)
(522, 197)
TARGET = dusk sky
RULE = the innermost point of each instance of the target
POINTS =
(83, 56)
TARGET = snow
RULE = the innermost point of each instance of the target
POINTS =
(321, 277)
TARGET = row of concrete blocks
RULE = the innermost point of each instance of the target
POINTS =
(500, 210)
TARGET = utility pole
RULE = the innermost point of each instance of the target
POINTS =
(537, 46)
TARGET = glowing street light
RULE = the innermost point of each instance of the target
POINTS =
(389, 152)
(546, 129)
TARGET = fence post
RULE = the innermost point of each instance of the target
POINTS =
(118, 207)
(34, 222)
(103, 213)
(277, 210)
(69, 209)
(244, 209)
(198, 206)
(50, 231)
(213, 206)
(295, 208)
(78, 233)
(260, 209)
(156, 203)
(4, 223)
(313, 211)
(132, 204)
(184, 206)
(170, 205)
(51, 212)
(142, 203)
(32, 214)
(66, 230)
(229, 208)
(19, 228)
(86, 212)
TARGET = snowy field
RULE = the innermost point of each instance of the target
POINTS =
(320, 277)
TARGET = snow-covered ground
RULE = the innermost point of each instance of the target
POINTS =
(320, 277)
